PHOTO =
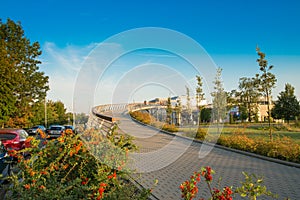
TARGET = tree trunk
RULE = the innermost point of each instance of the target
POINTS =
(269, 116)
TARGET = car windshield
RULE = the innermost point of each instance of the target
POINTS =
(7, 136)
(23, 135)
(56, 128)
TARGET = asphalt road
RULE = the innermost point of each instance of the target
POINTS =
(172, 160)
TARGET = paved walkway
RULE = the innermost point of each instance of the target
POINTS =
(173, 160)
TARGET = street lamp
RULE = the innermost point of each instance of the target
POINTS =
(45, 106)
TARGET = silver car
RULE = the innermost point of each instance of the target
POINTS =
(55, 131)
(33, 130)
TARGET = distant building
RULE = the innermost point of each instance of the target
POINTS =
(263, 108)
(175, 99)
(260, 109)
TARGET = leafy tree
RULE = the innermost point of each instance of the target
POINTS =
(287, 106)
(69, 118)
(242, 113)
(188, 105)
(56, 113)
(52, 116)
(61, 112)
(38, 114)
(24, 84)
(249, 95)
(81, 118)
(199, 97)
(206, 114)
(234, 100)
(267, 82)
(231, 103)
(169, 111)
(8, 81)
(219, 98)
(178, 110)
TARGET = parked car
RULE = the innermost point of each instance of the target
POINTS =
(13, 138)
(5, 163)
(33, 130)
(55, 131)
(70, 127)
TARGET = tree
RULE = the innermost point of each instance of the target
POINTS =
(23, 85)
(234, 100)
(52, 116)
(267, 82)
(56, 113)
(61, 112)
(169, 111)
(7, 83)
(206, 114)
(219, 99)
(178, 110)
(81, 118)
(188, 105)
(199, 97)
(38, 114)
(69, 118)
(287, 106)
(242, 113)
(249, 95)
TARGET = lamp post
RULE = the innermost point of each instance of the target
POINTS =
(45, 106)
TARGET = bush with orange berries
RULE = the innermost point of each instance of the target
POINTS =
(89, 166)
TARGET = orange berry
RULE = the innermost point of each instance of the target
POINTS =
(27, 186)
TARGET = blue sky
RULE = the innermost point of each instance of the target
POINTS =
(227, 30)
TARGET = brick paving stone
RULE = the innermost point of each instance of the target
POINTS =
(159, 157)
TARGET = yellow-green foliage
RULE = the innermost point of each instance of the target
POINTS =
(283, 148)
(170, 127)
(201, 133)
(241, 142)
(145, 118)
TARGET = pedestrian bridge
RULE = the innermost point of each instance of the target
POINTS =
(172, 159)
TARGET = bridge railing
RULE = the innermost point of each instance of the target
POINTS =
(101, 118)
(100, 121)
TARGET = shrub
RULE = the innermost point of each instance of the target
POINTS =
(145, 118)
(252, 187)
(201, 134)
(170, 128)
(282, 148)
(241, 142)
(70, 167)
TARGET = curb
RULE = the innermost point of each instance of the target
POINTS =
(140, 186)
(283, 162)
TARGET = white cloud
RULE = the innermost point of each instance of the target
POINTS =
(73, 72)
(62, 66)
(68, 58)
(89, 76)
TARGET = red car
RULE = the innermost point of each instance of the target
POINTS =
(13, 138)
